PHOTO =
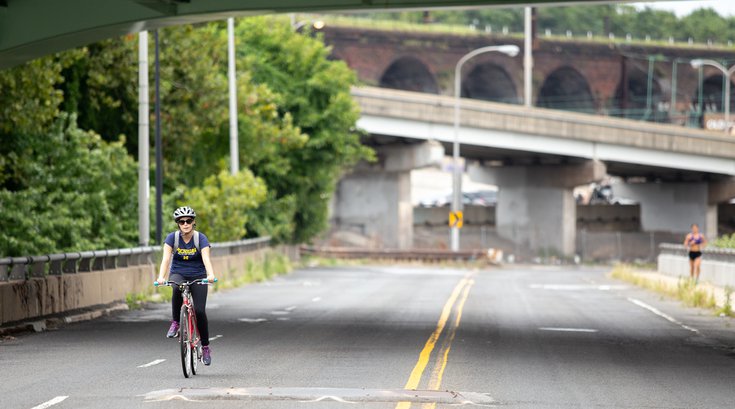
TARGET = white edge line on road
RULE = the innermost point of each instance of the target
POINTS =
(215, 337)
(316, 299)
(50, 403)
(662, 315)
(156, 362)
(567, 329)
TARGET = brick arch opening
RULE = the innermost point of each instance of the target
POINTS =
(568, 90)
(490, 82)
(713, 95)
(409, 74)
(633, 101)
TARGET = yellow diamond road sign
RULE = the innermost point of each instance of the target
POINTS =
(455, 219)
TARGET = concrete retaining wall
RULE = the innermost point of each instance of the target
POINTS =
(439, 216)
(718, 265)
(609, 217)
(38, 297)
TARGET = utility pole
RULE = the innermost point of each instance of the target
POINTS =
(234, 151)
(159, 153)
(144, 229)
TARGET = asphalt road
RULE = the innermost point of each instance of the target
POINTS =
(524, 337)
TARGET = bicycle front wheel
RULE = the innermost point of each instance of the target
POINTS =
(185, 342)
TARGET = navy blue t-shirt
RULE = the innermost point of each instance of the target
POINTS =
(187, 260)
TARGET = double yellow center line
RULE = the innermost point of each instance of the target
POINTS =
(458, 299)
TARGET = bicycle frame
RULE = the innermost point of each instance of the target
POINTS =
(189, 338)
(194, 340)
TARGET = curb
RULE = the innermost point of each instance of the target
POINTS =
(44, 324)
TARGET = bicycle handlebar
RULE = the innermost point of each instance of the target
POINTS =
(202, 281)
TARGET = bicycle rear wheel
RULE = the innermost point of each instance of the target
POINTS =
(185, 342)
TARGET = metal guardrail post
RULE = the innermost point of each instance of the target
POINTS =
(4, 268)
(85, 262)
(38, 266)
(55, 264)
(136, 254)
(110, 259)
(99, 260)
(70, 263)
(123, 258)
(19, 268)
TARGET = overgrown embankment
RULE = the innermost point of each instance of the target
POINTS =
(691, 294)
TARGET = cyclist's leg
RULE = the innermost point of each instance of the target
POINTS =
(176, 299)
(199, 295)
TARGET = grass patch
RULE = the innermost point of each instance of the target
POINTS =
(727, 308)
(685, 290)
(273, 264)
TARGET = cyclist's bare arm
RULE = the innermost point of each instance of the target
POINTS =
(165, 264)
(208, 264)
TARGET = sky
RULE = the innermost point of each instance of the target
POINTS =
(682, 8)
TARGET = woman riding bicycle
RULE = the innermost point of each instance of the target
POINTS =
(188, 263)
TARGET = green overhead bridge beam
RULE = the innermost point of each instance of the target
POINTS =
(33, 28)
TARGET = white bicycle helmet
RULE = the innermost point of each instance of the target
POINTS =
(184, 211)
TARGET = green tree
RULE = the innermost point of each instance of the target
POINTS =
(224, 202)
(29, 98)
(70, 191)
(105, 102)
(314, 93)
(705, 24)
(659, 24)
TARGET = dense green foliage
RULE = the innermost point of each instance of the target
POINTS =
(64, 188)
(313, 93)
(224, 201)
(725, 241)
(701, 25)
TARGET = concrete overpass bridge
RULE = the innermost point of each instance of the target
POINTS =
(639, 80)
(536, 157)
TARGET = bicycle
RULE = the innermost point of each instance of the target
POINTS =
(189, 340)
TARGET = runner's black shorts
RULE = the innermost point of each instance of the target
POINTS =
(693, 255)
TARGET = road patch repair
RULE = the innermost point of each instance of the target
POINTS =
(343, 395)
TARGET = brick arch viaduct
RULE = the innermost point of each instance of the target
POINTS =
(577, 75)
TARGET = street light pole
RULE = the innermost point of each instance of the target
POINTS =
(727, 73)
(510, 50)
(234, 150)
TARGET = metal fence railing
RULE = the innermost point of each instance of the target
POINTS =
(711, 253)
(23, 268)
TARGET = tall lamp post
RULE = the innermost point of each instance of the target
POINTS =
(727, 73)
(510, 50)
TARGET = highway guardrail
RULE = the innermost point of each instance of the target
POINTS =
(23, 268)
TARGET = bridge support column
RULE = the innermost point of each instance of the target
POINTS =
(374, 200)
(721, 191)
(536, 207)
(673, 207)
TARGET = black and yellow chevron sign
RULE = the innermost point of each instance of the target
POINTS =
(456, 219)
